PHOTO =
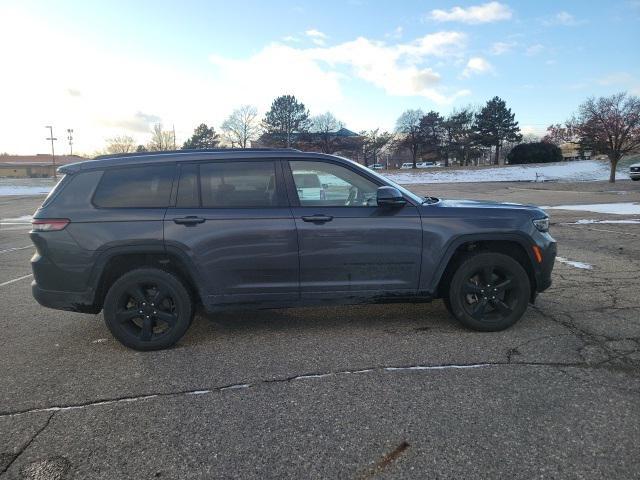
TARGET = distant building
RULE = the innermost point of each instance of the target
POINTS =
(33, 166)
(573, 151)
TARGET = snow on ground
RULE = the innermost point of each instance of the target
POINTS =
(581, 171)
(26, 186)
(571, 263)
(590, 222)
(24, 220)
(628, 208)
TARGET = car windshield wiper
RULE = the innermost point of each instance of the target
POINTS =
(429, 200)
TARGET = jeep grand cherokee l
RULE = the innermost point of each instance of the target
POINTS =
(146, 237)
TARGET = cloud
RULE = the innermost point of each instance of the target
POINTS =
(398, 69)
(477, 66)
(499, 48)
(485, 13)
(316, 36)
(563, 18)
(534, 50)
(290, 38)
(616, 78)
(138, 122)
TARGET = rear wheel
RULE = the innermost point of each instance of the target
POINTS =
(489, 292)
(148, 309)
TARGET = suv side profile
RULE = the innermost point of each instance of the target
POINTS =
(147, 237)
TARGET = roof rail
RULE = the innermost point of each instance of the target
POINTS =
(194, 150)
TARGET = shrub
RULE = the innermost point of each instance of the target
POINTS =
(536, 152)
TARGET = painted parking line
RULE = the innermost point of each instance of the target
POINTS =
(8, 250)
(15, 280)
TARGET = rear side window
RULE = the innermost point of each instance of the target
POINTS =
(238, 184)
(135, 187)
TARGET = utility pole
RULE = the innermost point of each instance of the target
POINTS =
(174, 136)
(70, 138)
(53, 152)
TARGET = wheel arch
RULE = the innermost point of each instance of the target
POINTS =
(515, 245)
(115, 262)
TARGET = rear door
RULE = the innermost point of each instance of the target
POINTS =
(233, 221)
(350, 247)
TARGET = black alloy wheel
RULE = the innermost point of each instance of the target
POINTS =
(148, 309)
(489, 291)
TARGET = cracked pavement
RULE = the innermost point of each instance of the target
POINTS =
(380, 391)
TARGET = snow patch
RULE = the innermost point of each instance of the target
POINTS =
(590, 222)
(581, 265)
(611, 208)
(581, 171)
(23, 220)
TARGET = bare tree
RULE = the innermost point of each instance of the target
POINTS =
(323, 129)
(161, 140)
(409, 132)
(242, 126)
(120, 144)
(610, 125)
(374, 142)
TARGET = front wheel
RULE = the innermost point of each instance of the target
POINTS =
(148, 309)
(489, 292)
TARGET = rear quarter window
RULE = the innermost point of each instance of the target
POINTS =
(146, 186)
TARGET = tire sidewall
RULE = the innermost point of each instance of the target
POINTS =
(473, 263)
(180, 296)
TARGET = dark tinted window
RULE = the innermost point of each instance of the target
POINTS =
(238, 184)
(188, 195)
(135, 187)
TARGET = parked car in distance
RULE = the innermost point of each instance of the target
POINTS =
(634, 171)
(146, 237)
(427, 165)
(377, 166)
(404, 166)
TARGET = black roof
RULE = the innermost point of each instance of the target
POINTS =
(122, 159)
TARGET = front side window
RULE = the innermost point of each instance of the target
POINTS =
(330, 185)
(238, 184)
(146, 186)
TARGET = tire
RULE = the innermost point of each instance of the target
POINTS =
(148, 309)
(493, 308)
(635, 179)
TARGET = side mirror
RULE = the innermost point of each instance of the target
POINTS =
(390, 197)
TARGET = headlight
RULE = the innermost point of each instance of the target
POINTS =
(542, 224)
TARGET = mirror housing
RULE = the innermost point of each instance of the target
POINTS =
(390, 197)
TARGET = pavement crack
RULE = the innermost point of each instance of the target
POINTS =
(307, 376)
(27, 445)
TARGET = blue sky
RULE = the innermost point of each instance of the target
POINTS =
(108, 68)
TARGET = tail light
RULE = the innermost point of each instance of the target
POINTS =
(48, 224)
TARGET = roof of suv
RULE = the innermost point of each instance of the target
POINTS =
(122, 159)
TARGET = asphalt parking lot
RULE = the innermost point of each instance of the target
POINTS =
(393, 391)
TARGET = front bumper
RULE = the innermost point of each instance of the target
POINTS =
(70, 301)
(634, 175)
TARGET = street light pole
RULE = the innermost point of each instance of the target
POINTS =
(53, 152)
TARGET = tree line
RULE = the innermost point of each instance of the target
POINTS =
(608, 125)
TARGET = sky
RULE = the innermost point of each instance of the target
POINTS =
(107, 68)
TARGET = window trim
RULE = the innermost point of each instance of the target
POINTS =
(125, 167)
(280, 184)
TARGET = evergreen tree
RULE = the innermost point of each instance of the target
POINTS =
(286, 117)
(203, 137)
(496, 124)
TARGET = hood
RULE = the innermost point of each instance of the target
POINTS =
(484, 204)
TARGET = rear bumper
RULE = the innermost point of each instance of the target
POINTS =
(70, 301)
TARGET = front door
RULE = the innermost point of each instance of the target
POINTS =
(233, 220)
(350, 247)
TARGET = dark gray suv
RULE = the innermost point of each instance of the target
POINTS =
(146, 237)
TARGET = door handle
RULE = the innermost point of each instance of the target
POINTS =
(317, 218)
(188, 221)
